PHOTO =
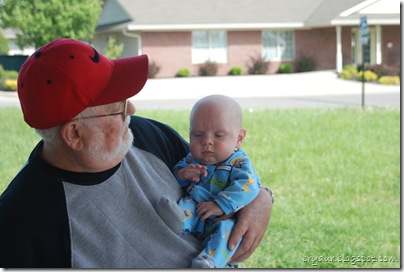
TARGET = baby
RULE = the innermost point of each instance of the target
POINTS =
(217, 176)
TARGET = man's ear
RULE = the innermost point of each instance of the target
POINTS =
(241, 137)
(71, 135)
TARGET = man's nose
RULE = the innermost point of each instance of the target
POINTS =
(131, 108)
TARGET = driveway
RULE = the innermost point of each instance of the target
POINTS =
(320, 89)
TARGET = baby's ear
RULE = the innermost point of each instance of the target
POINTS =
(241, 137)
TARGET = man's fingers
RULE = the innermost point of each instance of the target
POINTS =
(237, 233)
(223, 217)
(246, 248)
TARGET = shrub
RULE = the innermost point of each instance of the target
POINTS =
(258, 66)
(350, 67)
(349, 72)
(285, 68)
(306, 64)
(382, 70)
(183, 72)
(9, 76)
(389, 80)
(2, 71)
(369, 76)
(10, 85)
(153, 69)
(208, 69)
(236, 71)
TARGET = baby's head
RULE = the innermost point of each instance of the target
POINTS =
(215, 128)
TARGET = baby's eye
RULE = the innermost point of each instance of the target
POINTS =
(220, 135)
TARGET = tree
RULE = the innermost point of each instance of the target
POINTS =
(4, 47)
(113, 50)
(38, 22)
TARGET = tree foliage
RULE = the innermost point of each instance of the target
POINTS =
(114, 49)
(4, 47)
(38, 22)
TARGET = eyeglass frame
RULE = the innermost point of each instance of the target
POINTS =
(123, 113)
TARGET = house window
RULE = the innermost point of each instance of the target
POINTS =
(209, 46)
(278, 45)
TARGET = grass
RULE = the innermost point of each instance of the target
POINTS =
(335, 175)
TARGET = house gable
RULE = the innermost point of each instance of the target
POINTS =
(112, 14)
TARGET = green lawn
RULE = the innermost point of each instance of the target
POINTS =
(335, 175)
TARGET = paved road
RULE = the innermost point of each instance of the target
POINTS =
(300, 90)
(320, 89)
(329, 101)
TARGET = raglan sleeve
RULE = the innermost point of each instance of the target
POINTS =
(34, 229)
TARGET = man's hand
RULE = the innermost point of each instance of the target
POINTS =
(192, 172)
(207, 209)
(251, 225)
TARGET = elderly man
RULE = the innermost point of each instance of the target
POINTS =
(87, 195)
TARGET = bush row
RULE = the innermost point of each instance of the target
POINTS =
(258, 66)
(373, 73)
(8, 80)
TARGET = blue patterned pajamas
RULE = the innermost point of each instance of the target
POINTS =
(232, 184)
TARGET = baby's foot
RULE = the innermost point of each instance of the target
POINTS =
(202, 261)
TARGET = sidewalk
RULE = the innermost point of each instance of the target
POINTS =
(320, 89)
(278, 90)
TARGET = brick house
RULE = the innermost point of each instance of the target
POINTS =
(184, 34)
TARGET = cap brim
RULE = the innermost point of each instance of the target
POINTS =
(127, 79)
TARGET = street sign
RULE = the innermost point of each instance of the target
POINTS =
(364, 30)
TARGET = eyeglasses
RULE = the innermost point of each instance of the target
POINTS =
(122, 113)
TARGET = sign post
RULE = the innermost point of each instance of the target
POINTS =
(364, 31)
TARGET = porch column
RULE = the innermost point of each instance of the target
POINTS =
(378, 44)
(339, 50)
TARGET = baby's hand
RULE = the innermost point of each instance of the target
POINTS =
(207, 209)
(192, 172)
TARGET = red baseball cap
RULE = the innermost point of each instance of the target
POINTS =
(64, 77)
